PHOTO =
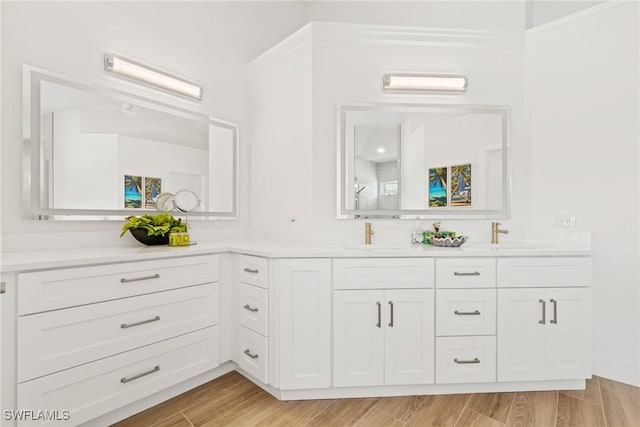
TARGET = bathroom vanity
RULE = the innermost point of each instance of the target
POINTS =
(105, 333)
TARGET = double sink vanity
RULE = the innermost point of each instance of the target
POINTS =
(104, 333)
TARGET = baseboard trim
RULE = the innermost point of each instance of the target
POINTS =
(624, 371)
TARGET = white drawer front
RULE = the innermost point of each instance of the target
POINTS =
(253, 306)
(466, 273)
(253, 270)
(465, 360)
(97, 388)
(544, 272)
(383, 273)
(62, 339)
(465, 312)
(253, 354)
(54, 289)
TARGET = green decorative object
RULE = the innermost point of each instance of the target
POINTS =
(153, 229)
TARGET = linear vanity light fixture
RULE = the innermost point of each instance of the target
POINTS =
(423, 83)
(151, 77)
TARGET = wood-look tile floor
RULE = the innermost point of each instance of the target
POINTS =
(232, 400)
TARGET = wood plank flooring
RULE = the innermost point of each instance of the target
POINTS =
(232, 400)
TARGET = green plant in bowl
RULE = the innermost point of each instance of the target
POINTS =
(153, 229)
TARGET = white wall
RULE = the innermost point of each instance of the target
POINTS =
(208, 42)
(582, 86)
(349, 70)
(279, 129)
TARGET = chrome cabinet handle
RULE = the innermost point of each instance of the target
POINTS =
(251, 270)
(467, 313)
(391, 317)
(125, 380)
(248, 307)
(136, 279)
(555, 311)
(544, 312)
(248, 353)
(3, 287)
(457, 273)
(142, 322)
(464, 362)
(379, 324)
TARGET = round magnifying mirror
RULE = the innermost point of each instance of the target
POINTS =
(186, 200)
(164, 202)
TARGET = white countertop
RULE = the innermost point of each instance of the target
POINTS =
(46, 259)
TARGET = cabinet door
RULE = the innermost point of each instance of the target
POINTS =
(358, 334)
(409, 336)
(304, 289)
(568, 333)
(521, 347)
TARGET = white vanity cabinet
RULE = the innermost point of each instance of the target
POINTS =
(300, 333)
(544, 331)
(383, 333)
(465, 320)
(253, 316)
(383, 337)
(94, 339)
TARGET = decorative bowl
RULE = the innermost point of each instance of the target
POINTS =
(448, 242)
(140, 234)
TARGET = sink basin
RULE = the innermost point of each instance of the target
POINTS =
(503, 246)
(397, 247)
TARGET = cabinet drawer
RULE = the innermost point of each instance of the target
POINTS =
(544, 272)
(253, 270)
(465, 360)
(54, 289)
(253, 354)
(253, 308)
(62, 339)
(465, 312)
(97, 388)
(383, 273)
(466, 273)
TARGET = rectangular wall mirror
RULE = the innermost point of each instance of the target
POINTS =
(96, 153)
(423, 161)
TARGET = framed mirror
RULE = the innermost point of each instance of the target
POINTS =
(98, 153)
(423, 161)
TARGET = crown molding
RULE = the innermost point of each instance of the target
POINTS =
(595, 15)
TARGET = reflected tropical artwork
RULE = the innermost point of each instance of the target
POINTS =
(152, 189)
(461, 185)
(437, 187)
(132, 192)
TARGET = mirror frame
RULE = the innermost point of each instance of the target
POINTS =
(344, 213)
(34, 206)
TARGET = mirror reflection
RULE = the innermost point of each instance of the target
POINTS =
(101, 152)
(408, 160)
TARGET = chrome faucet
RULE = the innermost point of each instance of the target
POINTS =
(495, 230)
(368, 232)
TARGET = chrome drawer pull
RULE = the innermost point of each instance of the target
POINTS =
(3, 288)
(555, 311)
(248, 353)
(251, 270)
(544, 312)
(379, 324)
(142, 322)
(467, 313)
(136, 279)
(463, 362)
(248, 307)
(391, 308)
(475, 273)
(125, 380)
